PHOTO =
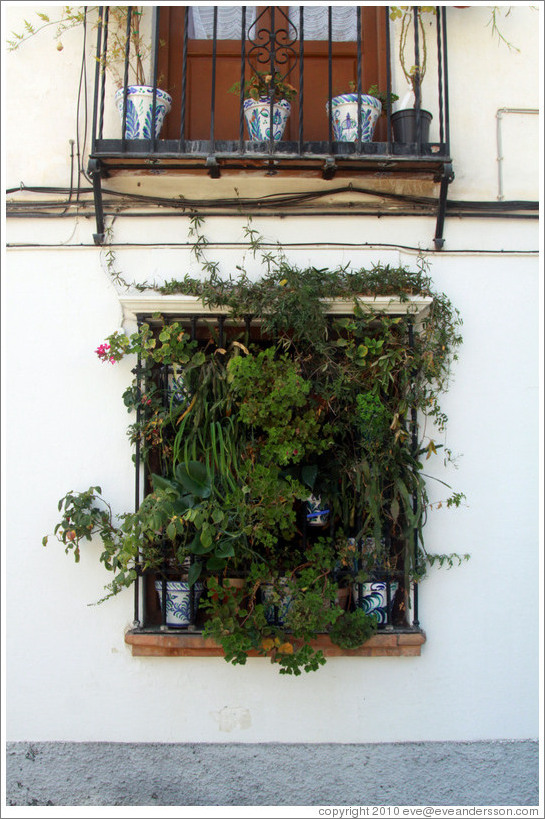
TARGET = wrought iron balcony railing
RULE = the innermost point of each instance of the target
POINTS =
(205, 129)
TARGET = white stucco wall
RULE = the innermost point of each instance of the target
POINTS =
(70, 675)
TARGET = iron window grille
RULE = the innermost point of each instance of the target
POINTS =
(213, 331)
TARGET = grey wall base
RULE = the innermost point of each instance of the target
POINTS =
(420, 773)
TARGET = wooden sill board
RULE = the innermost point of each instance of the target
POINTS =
(186, 644)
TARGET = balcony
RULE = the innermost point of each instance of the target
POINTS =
(205, 132)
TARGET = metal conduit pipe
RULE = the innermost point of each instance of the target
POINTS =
(499, 158)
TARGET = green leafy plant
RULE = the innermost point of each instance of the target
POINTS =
(414, 74)
(352, 629)
(386, 100)
(274, 400)
(262, 85)
(242, 621)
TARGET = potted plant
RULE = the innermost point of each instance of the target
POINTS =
(153, 539)
(344, 113)
(411, 122)
(267, 99)
(280, 616)
(142, 108)
(135, 102)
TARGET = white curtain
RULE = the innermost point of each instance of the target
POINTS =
(343, 22)
(201, 22)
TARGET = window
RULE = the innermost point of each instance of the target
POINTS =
(183, 414)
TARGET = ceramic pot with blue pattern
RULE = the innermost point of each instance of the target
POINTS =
(258, 118)
(276, 614)
(374, 599)
(344, 117)
(139, 122)
(178, 605)
(317, 514)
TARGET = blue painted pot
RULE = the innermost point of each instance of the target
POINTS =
(178, 606)
(316, 514)
(374, 599)
(139, 123)
(344, 117)
(258, 118)
(281, 610)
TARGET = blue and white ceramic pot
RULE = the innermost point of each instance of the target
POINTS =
(139, 123)
(374, 599)
(258, 118)
(344, 117)
(275, 615)
(178, 601)
(317, 515)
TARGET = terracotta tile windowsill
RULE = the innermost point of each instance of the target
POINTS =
(187, 644)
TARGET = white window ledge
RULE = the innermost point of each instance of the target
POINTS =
(416, 306)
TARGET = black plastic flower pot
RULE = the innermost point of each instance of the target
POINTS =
(404, 125)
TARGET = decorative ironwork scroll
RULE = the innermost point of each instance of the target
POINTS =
(272, 45)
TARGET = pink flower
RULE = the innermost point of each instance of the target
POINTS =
(103, 354)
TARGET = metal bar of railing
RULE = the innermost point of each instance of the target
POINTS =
(330, 77)
(126, 79)
(445, 75)
(213, 94)
(301, 74)
(137, 466)
(242, 79)
(272, 69)
(99, 62)
(192, 589)
(388, 576)
(155, 40)
(184, 80)
(417, 79)
(440, 74)
(247, 329)
(414, 446)
(164, 387)
(388, 79)
(359, 75)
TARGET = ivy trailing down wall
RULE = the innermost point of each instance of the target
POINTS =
(249, 439)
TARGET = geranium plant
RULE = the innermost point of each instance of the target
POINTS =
(262, 85)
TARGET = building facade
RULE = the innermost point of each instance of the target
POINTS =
(85, 216)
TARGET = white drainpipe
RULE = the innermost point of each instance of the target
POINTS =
(499, 114)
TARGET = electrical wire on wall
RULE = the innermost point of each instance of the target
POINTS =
(82, 83)
(284, 200)
(292, 245)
